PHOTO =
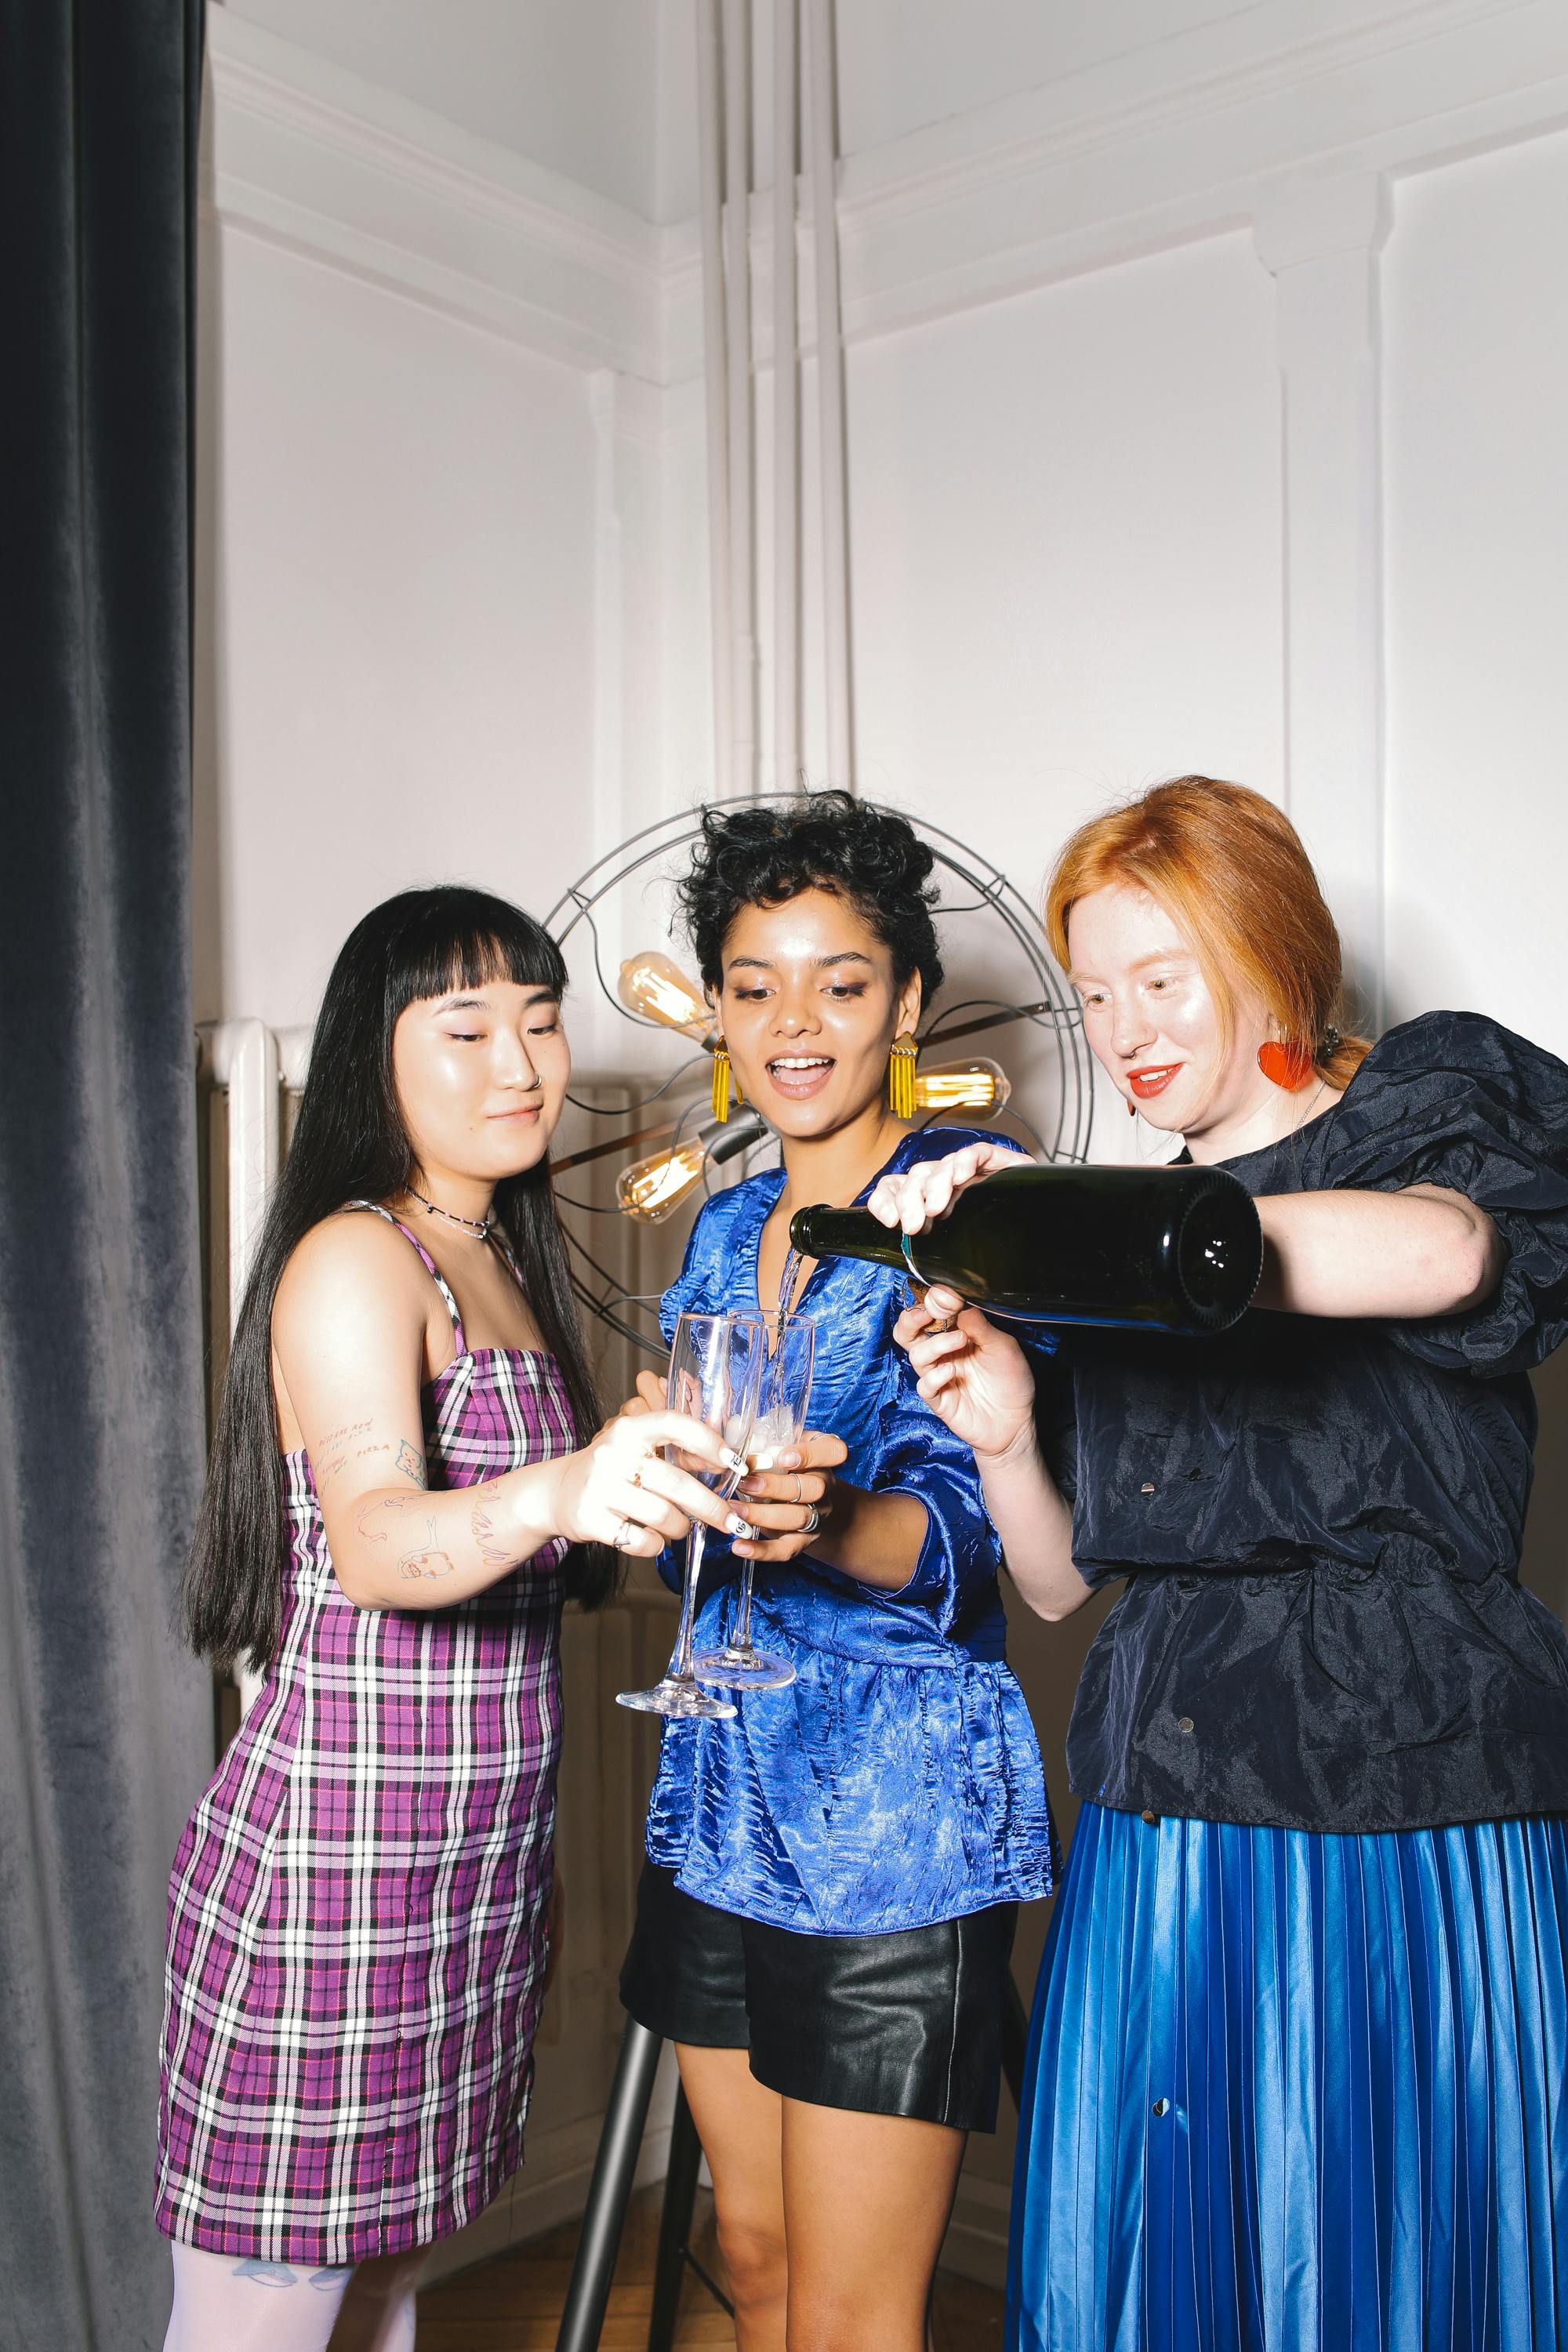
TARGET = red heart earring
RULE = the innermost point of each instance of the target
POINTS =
(1290, 1066)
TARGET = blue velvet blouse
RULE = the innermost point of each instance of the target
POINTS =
(897, 1781)
(1319, 1522)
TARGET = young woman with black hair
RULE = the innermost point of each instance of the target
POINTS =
(405, 1485)
(826, 1913)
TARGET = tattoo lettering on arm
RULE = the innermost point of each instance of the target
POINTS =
(492, 1550)
(411, 1462)
(427, 1559)
(335, 1449)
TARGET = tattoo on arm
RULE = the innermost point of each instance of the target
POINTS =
(426, 1559)
(410, 1463)
(370, 1519)
(420, 1555)
(333, 1454)
(493, 1553)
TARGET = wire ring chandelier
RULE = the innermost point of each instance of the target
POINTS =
(1048, 1005)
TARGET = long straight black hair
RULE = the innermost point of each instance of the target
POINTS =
(349, 1144)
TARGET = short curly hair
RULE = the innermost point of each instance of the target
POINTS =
(763, 854)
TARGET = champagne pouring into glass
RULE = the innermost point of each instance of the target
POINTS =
(790, 1342)
(715, 1376)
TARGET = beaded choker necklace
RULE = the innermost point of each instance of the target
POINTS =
(479, 1226)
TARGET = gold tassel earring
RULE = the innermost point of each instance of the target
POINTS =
(901, 1076)
(722, 1080)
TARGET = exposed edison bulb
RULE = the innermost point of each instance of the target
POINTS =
(962, 1086)
(653, 1188)
(650, 984)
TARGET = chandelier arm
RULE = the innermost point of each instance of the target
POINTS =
(624, 1111)
(614, 1143)
(616, 1295)
(607, 1315)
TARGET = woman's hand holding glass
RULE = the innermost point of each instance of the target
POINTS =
(791, 1501)
(621, 1490)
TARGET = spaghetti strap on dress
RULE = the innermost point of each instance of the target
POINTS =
(432, 1269)
(358, 1908)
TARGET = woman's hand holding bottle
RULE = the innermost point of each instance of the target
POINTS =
(976, 1378)
(913, 1200)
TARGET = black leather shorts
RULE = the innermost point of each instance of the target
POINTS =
(906, 2024)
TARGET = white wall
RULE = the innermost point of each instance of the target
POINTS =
(404, 679)
(424, 515)
(1476, 377)
(1065, 530)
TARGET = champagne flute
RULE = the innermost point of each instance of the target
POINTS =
(781, 1406)
(715, 1376)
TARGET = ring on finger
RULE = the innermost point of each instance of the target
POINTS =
(813, 1519)
(799, 1488)
(624, 1536)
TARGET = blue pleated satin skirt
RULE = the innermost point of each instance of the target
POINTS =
(1298, 2094)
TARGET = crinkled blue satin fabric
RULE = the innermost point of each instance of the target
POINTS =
(1290, 2092)
(897, 1781)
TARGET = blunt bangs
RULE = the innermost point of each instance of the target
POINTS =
(455, 938)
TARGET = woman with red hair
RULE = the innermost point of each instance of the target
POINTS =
(1297, 2067)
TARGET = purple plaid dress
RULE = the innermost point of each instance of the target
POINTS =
(357, 1913)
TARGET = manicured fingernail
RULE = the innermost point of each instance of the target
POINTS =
(736, 1525)
(736, 1462)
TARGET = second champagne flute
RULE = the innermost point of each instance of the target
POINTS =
(781, 1406)
(715, 1375)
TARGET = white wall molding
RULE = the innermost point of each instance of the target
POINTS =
(1320, 242)
(609, 591)
(1180, 139)
(328, 163)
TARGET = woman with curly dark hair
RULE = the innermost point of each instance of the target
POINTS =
(825, 1920)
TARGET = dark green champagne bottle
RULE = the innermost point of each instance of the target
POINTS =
(1173, 1249)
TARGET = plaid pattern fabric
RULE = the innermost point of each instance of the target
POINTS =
(357, 1912)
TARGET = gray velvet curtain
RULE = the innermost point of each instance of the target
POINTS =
(105, 1729)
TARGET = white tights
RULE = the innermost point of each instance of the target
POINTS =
(225, 2304)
